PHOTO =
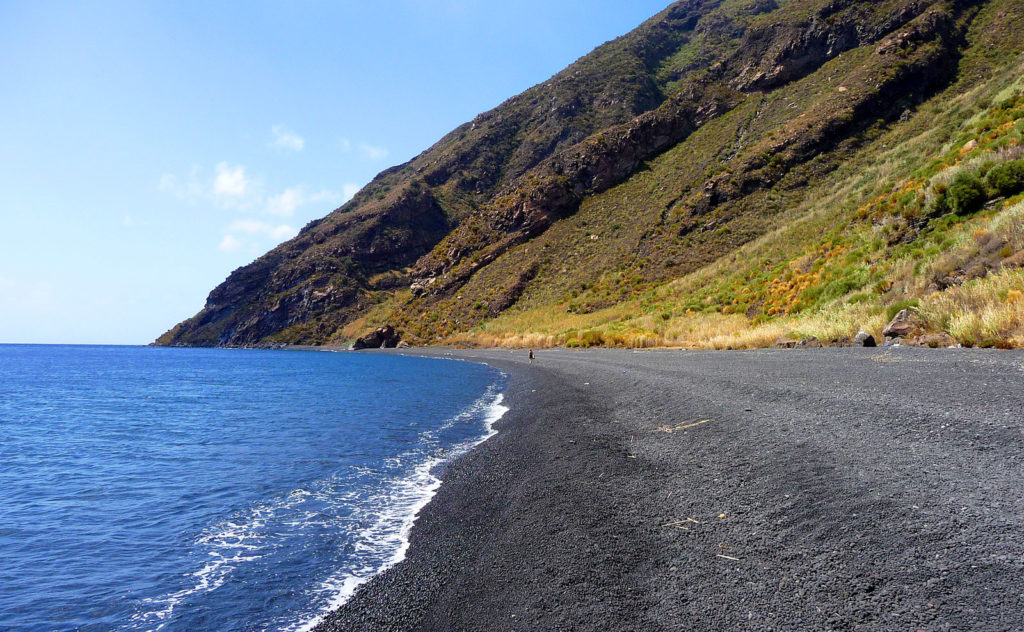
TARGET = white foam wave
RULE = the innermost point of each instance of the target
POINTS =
(229, 544)
(388, 514)
(387, 538)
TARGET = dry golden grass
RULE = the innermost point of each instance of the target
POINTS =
(717, 331)
(985, 312)
(507, 340)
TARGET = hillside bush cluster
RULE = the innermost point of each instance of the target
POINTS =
(968, 192)
(1007, 178)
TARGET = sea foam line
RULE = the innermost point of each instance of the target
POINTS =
(228, 545)
(419, 489)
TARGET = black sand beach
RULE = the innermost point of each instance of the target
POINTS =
(832, 489)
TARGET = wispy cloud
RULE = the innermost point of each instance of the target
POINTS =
(231, 187)
(250, 233)
(349, 191)
(257, 227)
(189, 188)
(373, 152)
(230, 243)
(285, 203)
(131, 222)
(230, 180)
(286, 138)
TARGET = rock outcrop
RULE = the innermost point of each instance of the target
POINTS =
(785, 343)
(905, 323)
(937, 340)
(809, 343)
(381, 338)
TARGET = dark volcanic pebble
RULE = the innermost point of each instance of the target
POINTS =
(833, 489)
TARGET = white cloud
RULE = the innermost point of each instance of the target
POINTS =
(349, 190)
(257, 227)
(290, 199)
(230, 243)
(286, 203)
(286, 138)
(251, 232)
(229, 187)
(346, 144)
(323, 194)
(373, 152)
(230, 181)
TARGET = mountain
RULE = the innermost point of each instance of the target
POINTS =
(730, 172)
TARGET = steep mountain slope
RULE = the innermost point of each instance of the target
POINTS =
(666, 189)
(338, 266)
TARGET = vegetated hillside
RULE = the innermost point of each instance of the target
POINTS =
(800, 168)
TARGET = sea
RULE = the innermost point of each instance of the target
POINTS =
(210, 489)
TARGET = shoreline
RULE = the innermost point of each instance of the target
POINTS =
(749, 490)
(492, 411)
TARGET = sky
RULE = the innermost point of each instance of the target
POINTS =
(147, 149)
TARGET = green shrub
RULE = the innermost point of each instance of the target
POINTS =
(940, 206)
(841, 287)
(1007, 178)
(899, 306)
(966, 193)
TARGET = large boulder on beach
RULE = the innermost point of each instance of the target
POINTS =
(785, 343)
(864, 339)
(905, 323)
(381, 338)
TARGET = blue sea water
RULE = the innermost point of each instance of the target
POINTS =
(199, 489)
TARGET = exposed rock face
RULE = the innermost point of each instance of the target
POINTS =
(382, 338)
(864, 339)
(774, 53)
(556, 187)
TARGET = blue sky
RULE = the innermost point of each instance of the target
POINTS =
(147, 149)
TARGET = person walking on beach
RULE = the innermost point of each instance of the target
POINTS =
(531, 356)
